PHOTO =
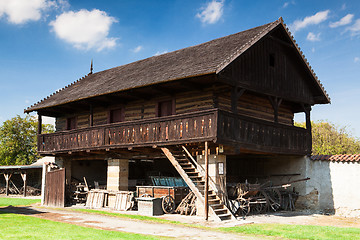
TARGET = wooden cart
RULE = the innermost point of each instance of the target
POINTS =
(171, 196)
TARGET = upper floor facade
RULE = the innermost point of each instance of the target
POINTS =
(240, 91)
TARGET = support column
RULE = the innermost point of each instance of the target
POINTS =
(23, 176)
(206, 181)
(118, 175)
(43, 182)
(39, 124)
(7, 179)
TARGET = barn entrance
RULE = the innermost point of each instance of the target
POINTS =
(260, 183)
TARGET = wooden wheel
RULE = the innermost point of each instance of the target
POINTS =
(260, 203)
(244, 207)
(168, 204)
(274, 199)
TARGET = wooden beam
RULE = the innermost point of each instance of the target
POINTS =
(39, 124)
(23, 176)
(275, 103)
(307, 110)
(206, 194)
(7, 177)
(91, 116)
(236, 93)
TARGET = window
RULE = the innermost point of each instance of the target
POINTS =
(116, 115)
(71, 123)
(165, 108)
(272, 60)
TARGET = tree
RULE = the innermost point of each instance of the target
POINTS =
(18, 140)
(329, 139)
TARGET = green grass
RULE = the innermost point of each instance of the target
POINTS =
(297, 231)
(14, 226)
(17, 201)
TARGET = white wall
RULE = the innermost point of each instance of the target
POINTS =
(337, 184)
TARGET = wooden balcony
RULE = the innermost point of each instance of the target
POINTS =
(210, 125)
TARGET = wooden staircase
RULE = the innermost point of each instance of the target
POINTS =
(194, 176)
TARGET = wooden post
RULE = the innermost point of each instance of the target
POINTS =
(91, 117)
(23, 176)
(236, 93)
(275, 103)
(206, 194)
(43, 182)
(307, 110)
(39, 124)
(7, 179)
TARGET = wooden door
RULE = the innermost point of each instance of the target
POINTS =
(55, 188)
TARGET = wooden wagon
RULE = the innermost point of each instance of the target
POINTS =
(171, 196)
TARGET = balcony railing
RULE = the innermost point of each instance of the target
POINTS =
(210, 125)
(256, 134)
(176, 129)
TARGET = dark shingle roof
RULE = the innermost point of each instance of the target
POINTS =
(202, 59)
(337, 158)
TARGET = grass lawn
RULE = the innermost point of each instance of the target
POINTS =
(14, 226)
(297, 231)
(17, 201)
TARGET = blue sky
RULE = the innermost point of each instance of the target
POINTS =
(46, 44)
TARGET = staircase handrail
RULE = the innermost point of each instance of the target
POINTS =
(201, 170)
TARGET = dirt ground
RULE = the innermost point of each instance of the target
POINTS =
(181, 232)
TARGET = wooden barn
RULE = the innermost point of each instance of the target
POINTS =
(223, 109)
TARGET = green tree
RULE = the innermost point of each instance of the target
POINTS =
(18, 140)
(329, 139)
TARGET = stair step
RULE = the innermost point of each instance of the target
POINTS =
(214, 200)
(185, 164)
(192, 173)
(221, 211)
(196, 177)
(217, 206)
(225, 216)
(182, 160)
(189, 168)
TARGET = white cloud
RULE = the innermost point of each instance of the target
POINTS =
(85, 29)
(22, 11)
(160, 53)
(313, 50)
(286, 4)
(137, 49)
(356, 59)
(313, 37)
(355, 28)
(212, 12)
(310, 20)
(343, 21)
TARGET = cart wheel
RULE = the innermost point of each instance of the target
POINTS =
(261, 202)
(244, 207)
(146, 195)
(168, 204)
(274, 199)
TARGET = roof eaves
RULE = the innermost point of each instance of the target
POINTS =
(34, 108)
